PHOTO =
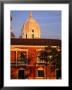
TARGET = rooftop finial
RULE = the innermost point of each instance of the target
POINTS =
(30, 14)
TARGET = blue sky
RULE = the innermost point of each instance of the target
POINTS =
(49, 21)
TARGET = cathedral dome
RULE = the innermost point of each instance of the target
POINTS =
(31, 28)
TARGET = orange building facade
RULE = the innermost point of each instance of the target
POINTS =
(25, 53)
(30, 67)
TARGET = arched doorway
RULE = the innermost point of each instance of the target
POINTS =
(21, 74)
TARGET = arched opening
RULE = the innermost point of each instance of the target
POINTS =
(26, 35)
(40, 72)
(32, 30)
(21, 74)
(32, 36)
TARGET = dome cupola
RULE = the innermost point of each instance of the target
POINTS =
(31, 28)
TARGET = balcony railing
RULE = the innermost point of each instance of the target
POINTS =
(18, 63)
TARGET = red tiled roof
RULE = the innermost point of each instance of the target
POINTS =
(20, 41)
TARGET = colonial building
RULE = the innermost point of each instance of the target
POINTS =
(26, 61)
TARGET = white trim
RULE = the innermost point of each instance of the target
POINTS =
(64, 8)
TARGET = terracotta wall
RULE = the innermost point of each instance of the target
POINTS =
(13, 56)
(31, 70)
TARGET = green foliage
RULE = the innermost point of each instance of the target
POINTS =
(51, 56)
(22, 58)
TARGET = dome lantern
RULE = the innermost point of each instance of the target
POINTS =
(30, 14)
